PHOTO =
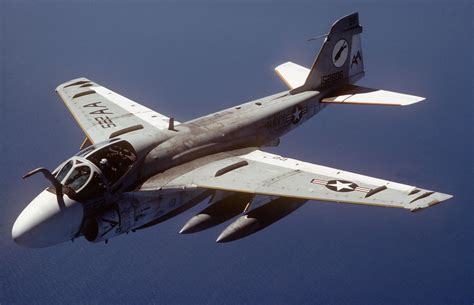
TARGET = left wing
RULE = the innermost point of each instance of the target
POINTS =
(262, 173)
(103, 114)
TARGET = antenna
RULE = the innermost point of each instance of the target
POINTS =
(318, 37)
(171, 124)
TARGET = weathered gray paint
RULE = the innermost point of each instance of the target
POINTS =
(180, 164)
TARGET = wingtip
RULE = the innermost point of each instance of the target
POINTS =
(282, 65)
(414, 100)
(72, 81)
(439, 197)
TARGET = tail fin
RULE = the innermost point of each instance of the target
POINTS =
(340, 59)
(340, 63)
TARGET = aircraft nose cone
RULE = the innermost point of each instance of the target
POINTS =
(44, 222)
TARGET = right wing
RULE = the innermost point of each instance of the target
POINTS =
(262, 173)
(103, 114)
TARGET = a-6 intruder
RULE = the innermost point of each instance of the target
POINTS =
(137, 168)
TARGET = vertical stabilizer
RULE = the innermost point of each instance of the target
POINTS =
(340, 59)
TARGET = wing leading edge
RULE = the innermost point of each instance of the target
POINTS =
(262, 173)
(102, 113)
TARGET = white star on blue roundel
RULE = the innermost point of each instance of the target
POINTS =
(341, 186)
(296, 115)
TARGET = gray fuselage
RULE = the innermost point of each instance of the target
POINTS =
(254, 124)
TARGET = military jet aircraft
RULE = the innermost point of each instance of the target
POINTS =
(137, 168)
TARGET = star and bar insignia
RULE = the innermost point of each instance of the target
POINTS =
(298, 112)
(342, 186)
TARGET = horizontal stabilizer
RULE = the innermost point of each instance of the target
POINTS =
(360, 95)
(292, 75)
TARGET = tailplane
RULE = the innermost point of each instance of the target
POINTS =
(340, 64)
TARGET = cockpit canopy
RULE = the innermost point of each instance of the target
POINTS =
(114, 160)
(82, 178)
(91, 171)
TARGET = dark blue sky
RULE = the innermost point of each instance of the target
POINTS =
(191, 59)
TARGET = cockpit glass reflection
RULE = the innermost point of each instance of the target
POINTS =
(114, 160)
(63, 172)
(78, 177)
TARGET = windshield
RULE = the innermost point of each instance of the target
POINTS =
(81, 177)
(78, 177)
(63, 172)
